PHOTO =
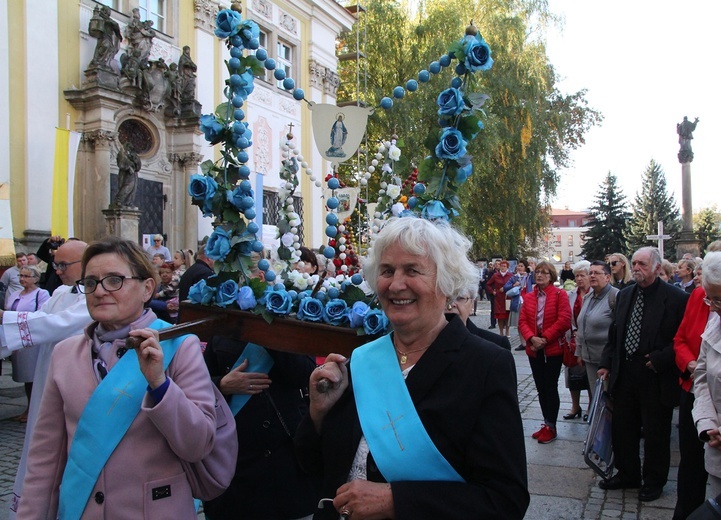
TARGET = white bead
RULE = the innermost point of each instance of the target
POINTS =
(341, 248)
(309, 171)
(341, 228)
(290, 208)
(304, 164)
(300, 159)
(285, 147)
(377, 214)
(296, 245)
(313, 179)
(344, 268)
(364, 182)
(384, 184)
(294, 230)
(342, 256)
(371, 169)
(285, 155)
(374, 162)
(342, 240)
(317, 184)
(300, 264)
(381, 148)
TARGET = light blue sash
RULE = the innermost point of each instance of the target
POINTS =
(258, 361)
(395, 434)
(106, 418)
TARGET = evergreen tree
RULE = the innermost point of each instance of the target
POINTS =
(652, 205)
(609, 219)
(707, 226)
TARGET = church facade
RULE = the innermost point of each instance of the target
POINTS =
(143, 98)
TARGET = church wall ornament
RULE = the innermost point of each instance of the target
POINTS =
(288, 22)
(205, 13)
(263, 145)
(263, 8)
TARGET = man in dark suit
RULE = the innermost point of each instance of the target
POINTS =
(201, 269)
(639, 358)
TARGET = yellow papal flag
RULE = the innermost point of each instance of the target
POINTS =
(66, 150)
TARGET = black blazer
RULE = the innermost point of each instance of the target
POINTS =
(660, 323)
(464, 389)
(501, 341)
(268, 481)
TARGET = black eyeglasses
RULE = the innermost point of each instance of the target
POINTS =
(62, 266)
(110, 283)
(542, 272)
(613, 264)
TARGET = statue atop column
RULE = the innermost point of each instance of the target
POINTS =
(107, 31)
(685, 130)
(128, 167)
(140, 42)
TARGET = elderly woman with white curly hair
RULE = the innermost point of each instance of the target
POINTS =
(423, 422)
(707, 374)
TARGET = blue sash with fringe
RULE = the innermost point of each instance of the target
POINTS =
(110, 411)
(393, 430)
(258, 361)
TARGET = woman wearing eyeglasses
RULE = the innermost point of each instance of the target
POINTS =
(545, 319)
(707, 374)
(620, 271)
(115, 424)
(30, 298)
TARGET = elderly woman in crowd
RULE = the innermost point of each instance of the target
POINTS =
(545, 319)
(448, 441)
(692, 475)
(620, 270)
(576, 379)
(30, 298)
(686, 271)
(463, 306)
(517, 280)
(707, 373)
(115, 424)
(697, 274)
(666, 272)
(495, 285)
(594, 320)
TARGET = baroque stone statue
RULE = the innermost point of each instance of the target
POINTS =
(187, 69)
(685, 131)
(128, 167)
(107, 31)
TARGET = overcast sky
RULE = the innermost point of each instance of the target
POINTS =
(646, 65)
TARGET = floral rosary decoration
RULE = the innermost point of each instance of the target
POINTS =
(448, 166)
(224, 192)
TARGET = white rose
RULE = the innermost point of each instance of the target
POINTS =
(397, 208)
(394, 153)
(393, 191)
(287, 239)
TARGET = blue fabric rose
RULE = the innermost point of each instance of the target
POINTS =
(242, 200)
(202, 189)
(375, 322)
(246, 86)
(464, 172)
(434, 210)
(335, 312)
(357, 313)
(279, 302)
(226, 293)
(246, 298)
(248, 30)
(452, 145)
(201, 293)
(310, 309)
(478, 53)
(450, 102)
(212, 128)
(218, 245)
(227, 23)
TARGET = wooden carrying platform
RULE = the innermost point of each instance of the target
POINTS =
(286, 334)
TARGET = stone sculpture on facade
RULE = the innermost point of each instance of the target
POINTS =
(128, 167)
(187, 69)
(107, 31)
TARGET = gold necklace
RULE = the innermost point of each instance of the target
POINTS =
(404, 355)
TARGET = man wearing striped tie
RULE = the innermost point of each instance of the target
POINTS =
(639, 362)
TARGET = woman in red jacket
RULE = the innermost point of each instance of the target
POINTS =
(495, 285)
(545, 319)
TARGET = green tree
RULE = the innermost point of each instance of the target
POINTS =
(530, 126)
(652, 205)
(707, 226)
(609, 219)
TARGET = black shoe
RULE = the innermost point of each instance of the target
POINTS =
(492, 327)
(520, 347)
(585, 417)
(650, 493)
(618, 482)
(572, 415)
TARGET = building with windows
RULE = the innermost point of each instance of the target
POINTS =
(564, 238)
(48, 80)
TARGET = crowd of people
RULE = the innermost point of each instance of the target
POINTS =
(442, 437)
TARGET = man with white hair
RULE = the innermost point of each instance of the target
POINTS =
(63, 315)
(639, 358)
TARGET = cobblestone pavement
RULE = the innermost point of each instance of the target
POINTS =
(562, 486)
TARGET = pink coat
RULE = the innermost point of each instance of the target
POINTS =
(182, 425)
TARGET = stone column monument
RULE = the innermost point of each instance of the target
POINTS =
(687, 242)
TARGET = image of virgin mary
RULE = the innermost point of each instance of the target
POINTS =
(338, 135)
